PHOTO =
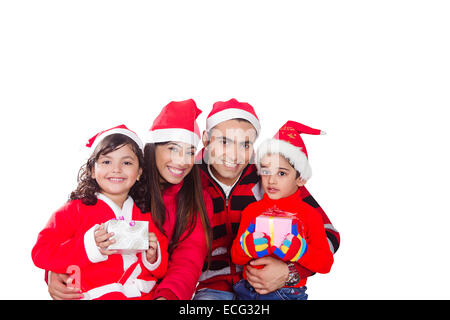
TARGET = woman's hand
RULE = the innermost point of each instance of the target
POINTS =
(103, 240)
(58, 289)
(152, 252)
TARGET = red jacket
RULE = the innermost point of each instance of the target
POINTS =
(317, 258)
(186, 261)
(223, 273)
(68, 239)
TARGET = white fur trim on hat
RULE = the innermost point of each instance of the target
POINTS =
(232, 113)
(125, 132)
(292, 153)
(173, 134)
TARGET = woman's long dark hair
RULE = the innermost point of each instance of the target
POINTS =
(189, 201)
(88, 186)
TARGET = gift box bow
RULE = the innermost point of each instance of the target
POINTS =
(275, 212)
(122, 218)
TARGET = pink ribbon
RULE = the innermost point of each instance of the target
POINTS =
(275, 212)
(132, 223)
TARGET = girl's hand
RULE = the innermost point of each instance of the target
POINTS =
(152, 252)
(103, 241)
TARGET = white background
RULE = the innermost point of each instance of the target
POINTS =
(375, 75)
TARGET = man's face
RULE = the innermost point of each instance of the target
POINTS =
(229, 149)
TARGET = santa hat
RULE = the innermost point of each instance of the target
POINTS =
(288, 142)
(121, 129)
(232, 109)
(176, 122)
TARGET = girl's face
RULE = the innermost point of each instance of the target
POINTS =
(116, 172)
(278, 177)
(174, 160)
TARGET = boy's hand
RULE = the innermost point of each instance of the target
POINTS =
(103, 241)
(152, 252)
(293, 246)
(255, 244)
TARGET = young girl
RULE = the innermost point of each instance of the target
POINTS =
(178, 202)
(110, 187)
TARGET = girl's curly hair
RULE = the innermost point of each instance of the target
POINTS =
(88, 186)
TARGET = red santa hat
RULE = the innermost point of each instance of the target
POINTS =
(232, 109)
(288, 142)
(121, 129)
(176, 122)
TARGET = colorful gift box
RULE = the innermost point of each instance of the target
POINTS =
(130, 236)
(275, 223)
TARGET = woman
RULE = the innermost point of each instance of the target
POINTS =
(176, 197)
(176, 200)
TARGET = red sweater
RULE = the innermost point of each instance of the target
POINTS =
(223, 273)
(186, 261)
(317, 258)
(68, 239)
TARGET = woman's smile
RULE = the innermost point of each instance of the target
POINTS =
(176, 171)
(174, 160)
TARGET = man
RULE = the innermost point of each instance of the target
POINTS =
(232, 181)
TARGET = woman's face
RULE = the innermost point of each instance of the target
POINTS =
(174, 160)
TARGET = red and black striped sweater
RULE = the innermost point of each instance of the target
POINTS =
(222, 273)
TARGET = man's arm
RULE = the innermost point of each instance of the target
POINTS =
(271, 277)
(333, 236)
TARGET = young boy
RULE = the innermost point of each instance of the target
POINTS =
(284, 168)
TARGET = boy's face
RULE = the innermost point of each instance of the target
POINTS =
(229, 148)
(278, 177)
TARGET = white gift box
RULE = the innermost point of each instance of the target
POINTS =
(130, 236)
